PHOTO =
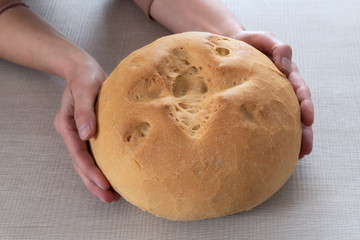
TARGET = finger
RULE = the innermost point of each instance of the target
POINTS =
(90, 174)
(306, 142)
(107, 196)
(86, 164)
(78, 150)
(280, 52)
(67, 106)
(116, 196)
(84, 97)
(307, 112)
(306, 105)
(295, 77)
(304, 96)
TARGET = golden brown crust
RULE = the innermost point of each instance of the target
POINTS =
(196, 125)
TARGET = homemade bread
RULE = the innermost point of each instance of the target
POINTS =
(196, 125)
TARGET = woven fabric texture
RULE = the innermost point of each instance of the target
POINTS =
(41, 196)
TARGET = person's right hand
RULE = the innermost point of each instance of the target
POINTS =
(76, 122)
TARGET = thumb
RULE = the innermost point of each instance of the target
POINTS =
(85, 122)
(282, 55)
(268, 43)
(84, 101)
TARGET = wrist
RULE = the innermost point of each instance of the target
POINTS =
(202, 15)
(71, 62)
(80, 69)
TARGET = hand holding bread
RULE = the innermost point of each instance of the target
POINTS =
(281, 55)
(197, 125)
(76, 122)
(36, 44)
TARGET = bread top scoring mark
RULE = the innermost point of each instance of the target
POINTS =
(195, 81)
(184, 76)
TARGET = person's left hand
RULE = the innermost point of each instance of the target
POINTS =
(76, 123)
(281, 54)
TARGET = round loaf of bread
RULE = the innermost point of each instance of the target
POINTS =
(196, 125)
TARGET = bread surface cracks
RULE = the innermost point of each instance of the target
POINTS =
(181, 79)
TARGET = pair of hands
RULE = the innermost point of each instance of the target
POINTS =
(76, 121)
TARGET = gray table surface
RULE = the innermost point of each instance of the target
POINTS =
(41, 197)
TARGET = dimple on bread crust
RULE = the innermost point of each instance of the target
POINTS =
(196, 125)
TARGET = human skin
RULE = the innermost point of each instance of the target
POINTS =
(28, 40)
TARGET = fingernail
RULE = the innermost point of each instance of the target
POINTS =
(84, 131)
(286, 64)
(102, 187)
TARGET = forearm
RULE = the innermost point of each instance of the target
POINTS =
(196, 15)
(28, 40)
